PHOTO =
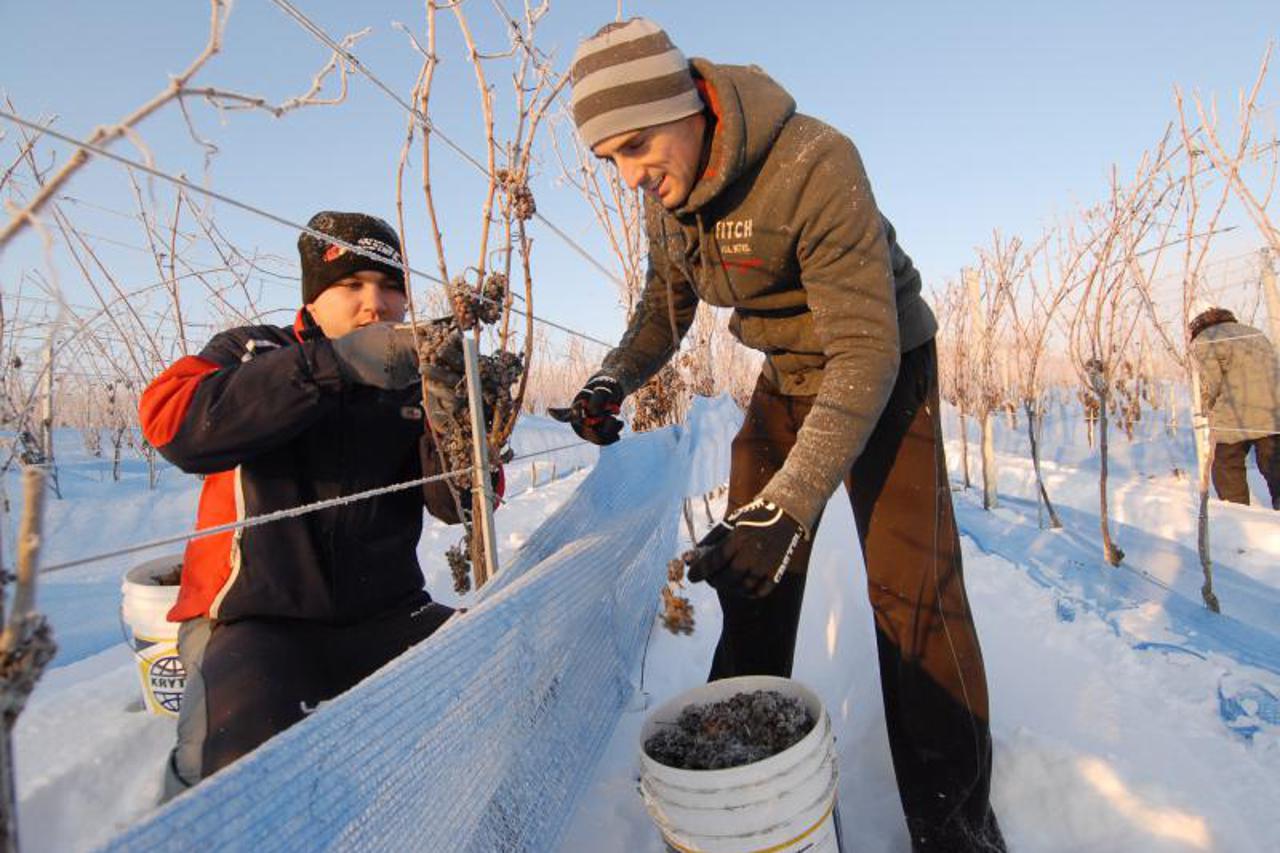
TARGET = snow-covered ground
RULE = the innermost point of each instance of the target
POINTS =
(1126, 717)
(89, 758)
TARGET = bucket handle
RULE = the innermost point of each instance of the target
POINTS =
(124, 629)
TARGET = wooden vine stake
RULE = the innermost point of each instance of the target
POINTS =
(484, 559)
(26, 645)
(1204, 462)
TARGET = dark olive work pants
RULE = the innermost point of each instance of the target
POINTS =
(931, 673)
(1228, 469)
(251, 679)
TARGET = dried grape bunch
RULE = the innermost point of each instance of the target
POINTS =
(498, 372)
(675, 569)
(503, 368)
(523, 206)
(1090, 403)
(440, 343)
(454, 443)
(462, 299)
(460, 564)
(173, 577)
(743, 729)
(440, 348)
(677, 611)
(474, 306)
(493, 293)
(659, 400)
(25, 662)
(519, 196)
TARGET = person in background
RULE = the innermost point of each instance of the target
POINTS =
(280, 617)
(753, 206)
(1240, 395)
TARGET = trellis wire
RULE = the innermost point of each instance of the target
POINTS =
(249, 208)
(484, 736)
(257, 211)
(425, 122)
(292, 512)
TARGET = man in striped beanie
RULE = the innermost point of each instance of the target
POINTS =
(753, 206)
(628, 81)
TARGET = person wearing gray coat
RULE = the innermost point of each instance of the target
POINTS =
(1240, 394)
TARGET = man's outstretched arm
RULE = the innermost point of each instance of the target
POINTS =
(211, 412)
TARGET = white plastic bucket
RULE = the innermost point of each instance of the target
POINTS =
(153, 637)
(784, 803)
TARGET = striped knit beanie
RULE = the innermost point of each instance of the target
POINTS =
(629, 76)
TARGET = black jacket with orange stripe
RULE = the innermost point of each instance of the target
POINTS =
(265, 414)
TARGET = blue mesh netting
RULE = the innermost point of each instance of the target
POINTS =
(482, 737)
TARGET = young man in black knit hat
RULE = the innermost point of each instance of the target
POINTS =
(279, 617)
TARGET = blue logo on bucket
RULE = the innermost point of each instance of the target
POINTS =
(167, 679)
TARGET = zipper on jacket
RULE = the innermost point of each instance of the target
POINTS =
(336, 532)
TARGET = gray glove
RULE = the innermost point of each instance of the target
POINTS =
(379, 355)
(446, 397)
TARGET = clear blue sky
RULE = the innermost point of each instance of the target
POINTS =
(969, 116)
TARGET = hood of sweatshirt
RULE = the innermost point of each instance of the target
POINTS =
(750, 111)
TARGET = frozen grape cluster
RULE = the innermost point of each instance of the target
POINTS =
(440, 343)
(459, 561)
(519, 196)
(677, 610)
(474, 306)
(454, 444)
(462, 299)
(440, 353)
(493, 294)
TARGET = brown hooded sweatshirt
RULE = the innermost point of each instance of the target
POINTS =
(782, 227)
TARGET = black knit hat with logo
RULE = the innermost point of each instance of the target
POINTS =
(324, 263)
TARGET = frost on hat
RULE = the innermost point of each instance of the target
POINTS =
(324, 263)
(628, 76)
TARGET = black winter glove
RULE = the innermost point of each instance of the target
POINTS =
(593, 413)
(748, 552)
(378, 354)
